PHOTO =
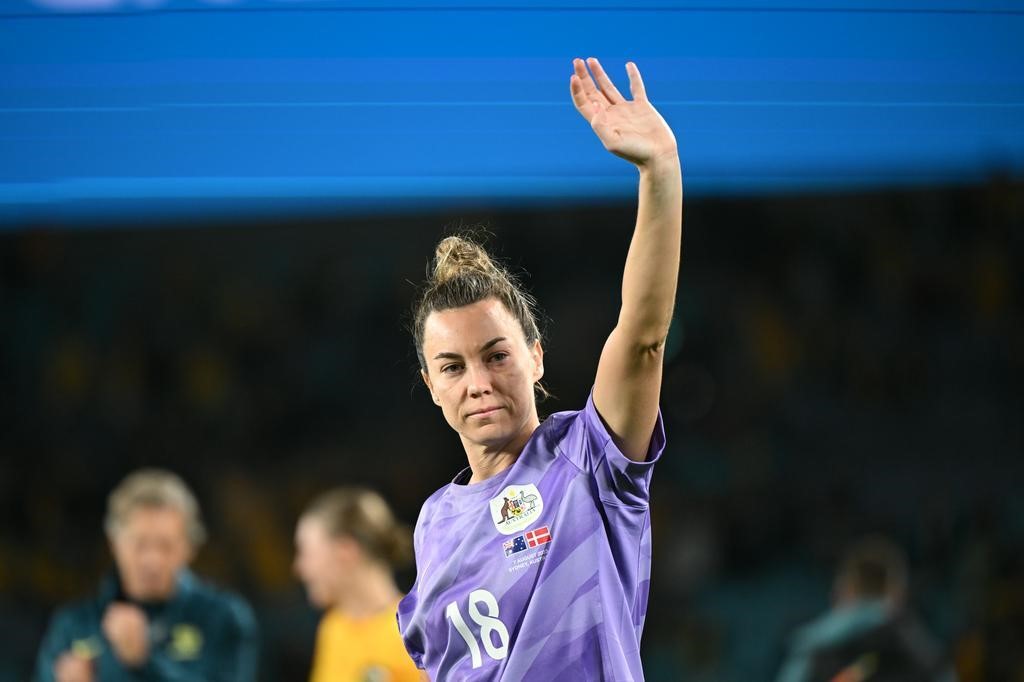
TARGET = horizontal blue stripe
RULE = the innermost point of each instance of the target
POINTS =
(333, 99)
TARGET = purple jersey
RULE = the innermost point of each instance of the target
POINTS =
(541, 571)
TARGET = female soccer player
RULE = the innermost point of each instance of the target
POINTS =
(347, 542)
(534, 563)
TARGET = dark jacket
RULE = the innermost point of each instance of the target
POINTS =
(202, 634)
(865, 642)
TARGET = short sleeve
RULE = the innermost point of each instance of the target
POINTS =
(590, 446)
(412, 637)
(412, 640)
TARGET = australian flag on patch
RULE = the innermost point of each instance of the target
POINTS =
(532, 538)
(515, 545)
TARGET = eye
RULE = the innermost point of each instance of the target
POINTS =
(499, 356)
(451, 369)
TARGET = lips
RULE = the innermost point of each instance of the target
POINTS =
(485, 411)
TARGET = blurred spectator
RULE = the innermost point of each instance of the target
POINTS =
(868, 634)
(152, 619)
(346, 543)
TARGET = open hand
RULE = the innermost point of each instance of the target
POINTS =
(633, 129)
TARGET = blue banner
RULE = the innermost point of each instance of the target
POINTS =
(113, 107)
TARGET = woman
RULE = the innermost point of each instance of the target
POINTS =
(534, 563)
(347, 542)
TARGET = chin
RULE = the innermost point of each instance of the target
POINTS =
(152, 593)
(318, 600)
(486, 433)
(498, 431)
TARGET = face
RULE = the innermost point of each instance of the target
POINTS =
(150, 548)
(481, 372)
(320, 561)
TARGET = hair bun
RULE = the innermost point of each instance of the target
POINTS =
(464, 274)
(456, 255)
(399, 546)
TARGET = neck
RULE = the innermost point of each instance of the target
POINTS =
(489, 459)
(373, 591)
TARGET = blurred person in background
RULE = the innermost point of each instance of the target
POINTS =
(868, 634)
(152, 618)
(347, 545)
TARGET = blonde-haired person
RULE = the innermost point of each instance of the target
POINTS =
(152, 618)
(347, 545)
(535, 561)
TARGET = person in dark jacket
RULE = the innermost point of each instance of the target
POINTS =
(152, 619)
(869, 634)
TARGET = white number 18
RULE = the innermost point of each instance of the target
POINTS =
(489, 625)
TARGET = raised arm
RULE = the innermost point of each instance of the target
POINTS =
(628, 382)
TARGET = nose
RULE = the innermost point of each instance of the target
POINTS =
(479, 381)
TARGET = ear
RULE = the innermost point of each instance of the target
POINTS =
(537, 351)
(346, 550)
(430, 387)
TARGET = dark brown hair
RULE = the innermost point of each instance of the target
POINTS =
(462, 274)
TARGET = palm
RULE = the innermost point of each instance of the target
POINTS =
(633, 129)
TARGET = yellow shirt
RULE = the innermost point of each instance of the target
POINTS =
(363, 650)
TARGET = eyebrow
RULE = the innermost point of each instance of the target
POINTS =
(456, 356)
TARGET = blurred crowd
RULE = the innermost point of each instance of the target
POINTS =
(839, 365)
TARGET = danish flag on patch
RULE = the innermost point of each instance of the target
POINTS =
(538, 537)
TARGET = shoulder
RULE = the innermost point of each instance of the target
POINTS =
(332, 624)
(435, 497)
(77, 614)
(77, 609)
(837, 625)
(430, 504)
(569, 429)
(81, 618)
(83, 611)
(577, 435)
(71, 623)
(219, 603)
(556, 427)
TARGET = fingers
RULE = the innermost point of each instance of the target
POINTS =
(585, 106)
(590, 90)
(636, 83)
(604, 82)
(585, 95)
(592, 94)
